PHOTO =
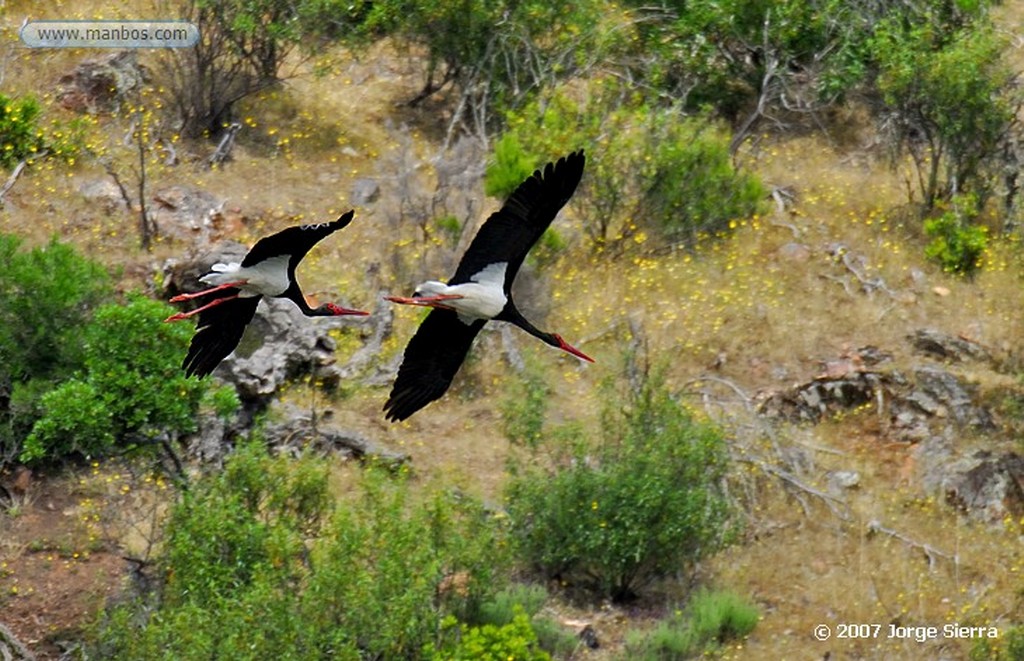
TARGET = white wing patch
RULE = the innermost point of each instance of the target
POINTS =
(492, 275)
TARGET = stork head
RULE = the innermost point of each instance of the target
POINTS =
(431, 293)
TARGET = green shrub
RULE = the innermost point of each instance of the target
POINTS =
(19, 132)
(1008, 647)
(131, 388)
(21, 136)
(641, 503)
(505, 605)
(489, 642)
(508, 168)
(957, 244)
(711, 619)
(949, 100)
(261, 562)
(652, 170)
(46, 296)
(524, 409)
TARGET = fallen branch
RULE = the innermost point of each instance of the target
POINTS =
(223, 151)
(875, 526)
(9, 184)
(11, 648)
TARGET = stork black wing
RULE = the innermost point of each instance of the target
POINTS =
(509, 233)
(218, 333)
(294, 241)
(432, 358)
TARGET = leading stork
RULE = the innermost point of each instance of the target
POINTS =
(481, 289)
(268, 269)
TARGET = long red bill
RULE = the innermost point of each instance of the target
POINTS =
(565, 346)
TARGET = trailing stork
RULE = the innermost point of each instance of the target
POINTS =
(268, 269)
(481, 289)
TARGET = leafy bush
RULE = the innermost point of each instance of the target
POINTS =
(653, 170)
(948, 103)
(46, 297)
(1009, 647)
(508, 168)
(505, 605)
(131, 388)
(957, 244)
(46, 294)
(489, 642)
(262, 563)
(22, 137)
(523, 411)
(497, 55)
(641, 503)
(712, 618)
(19, 133)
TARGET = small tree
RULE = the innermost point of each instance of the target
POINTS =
(948, 104)
(131, 389)
(46, 296)
(242, 46)
(653, 171)
(641, 503)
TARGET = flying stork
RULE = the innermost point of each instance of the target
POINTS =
(268, 269)
(481, 289)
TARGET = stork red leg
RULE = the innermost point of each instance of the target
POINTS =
(186, 315)
(188, 297)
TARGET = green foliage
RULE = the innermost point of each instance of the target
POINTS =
(505, 605)
(748, 60)
(957, 244)
(46, 296)
(509, 167)
(949, 103)
(524, 409)
(712, 618)
(651, 170)
(19, 132)
(1009, 647)
(262, 562)
(641, 503)
(496, 54)
(21, 137)
(131, 388)
(489, 642)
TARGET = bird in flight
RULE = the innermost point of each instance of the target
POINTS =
(481, 289)
(268, 269)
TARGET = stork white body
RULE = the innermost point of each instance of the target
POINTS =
(481, 298)
(266, 278)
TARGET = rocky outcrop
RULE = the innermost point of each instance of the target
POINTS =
(935, 410)
(101, 85)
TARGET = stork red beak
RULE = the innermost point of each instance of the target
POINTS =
(337, 310)
(425, 301)
(568, 348)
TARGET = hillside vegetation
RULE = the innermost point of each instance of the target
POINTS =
(795, 255)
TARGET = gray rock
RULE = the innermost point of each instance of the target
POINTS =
(280, 345)
(101, 85)
(986, 486)
(185, 212)
(365, 191)
(936, 344)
